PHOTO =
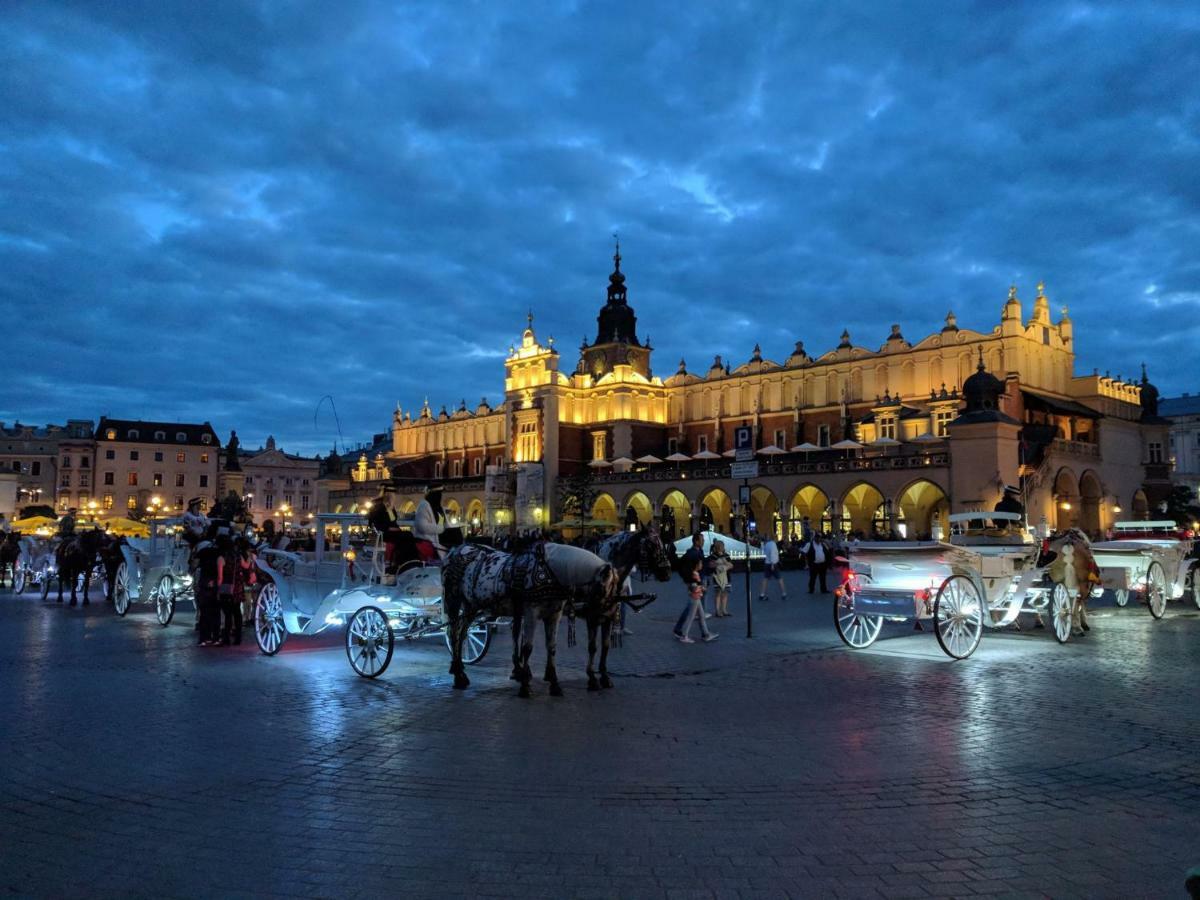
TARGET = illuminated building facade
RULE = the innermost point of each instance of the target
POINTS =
(943, 423)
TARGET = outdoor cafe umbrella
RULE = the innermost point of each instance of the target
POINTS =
(678, 458)
(730, 453)
(599, 463)
(622, 463)
(771, 450)
(648, 459)
(806, 447)
(847, 445)
(885, 442)
(927, 438)
(707, 454)
(33, 523)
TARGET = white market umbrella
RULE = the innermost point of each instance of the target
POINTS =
(707, 454)
(599, 463)
(678, 458)
(885, 442)
(927, 438)
(649, 459)
(622, 463)
(730, 453)
(847, 445)
(806, 447)
(771, 450)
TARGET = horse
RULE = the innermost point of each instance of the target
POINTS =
(624, 551)
(76, 556)
(10, 552)
(478, 581)
(1069, 561)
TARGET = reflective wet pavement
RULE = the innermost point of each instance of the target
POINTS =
(136, 764)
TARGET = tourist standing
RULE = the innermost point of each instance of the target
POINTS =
(230, 601)
(209, 568)
(771, 570)
(720, 564)
(816, 553)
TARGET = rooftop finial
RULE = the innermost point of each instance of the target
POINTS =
(981, 366)
(1144, 378)
(1041, 288)
(1012, 292)
(529, 318)
(617, 254)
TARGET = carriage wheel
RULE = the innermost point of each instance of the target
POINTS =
(1194, 585)
(19, 578)
(269, 629)
(856, 630)
(45, 585)
(1122, 596)
(369, 642)
(1060, 613)
(164, 600)
(1156, 590)
(958, 616)
(121, 590)
(475, 647)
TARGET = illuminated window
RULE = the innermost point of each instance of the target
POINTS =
(598, 445)
(203, 457)
(887, 427)
(527, 442)
(132, 481)
(111, 434)
(108, 501)
(131, 501)
(942, 420)
(83, 498)
(179, 501)
(157, 479)
(180, 457)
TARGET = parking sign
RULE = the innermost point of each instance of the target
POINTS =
(743, 438)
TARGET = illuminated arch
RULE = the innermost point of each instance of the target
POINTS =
(1066, 499)
(453, 512)
(716, 510)
(408, 510)
(1140, 506)
(641, 506)
(1091, 496)
(675, 513)
(920, 507)
(604, 511)
(809, 502)
(475, 513)
(863, 509)
(764, 510)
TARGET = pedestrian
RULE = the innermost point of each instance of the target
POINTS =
(720, 564)
(817, 555)
(209, 568)
(771, 570)
(690, 564)
(246, 576)
(695, 607)
(228, 602)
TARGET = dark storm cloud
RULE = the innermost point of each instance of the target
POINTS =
(225, 211)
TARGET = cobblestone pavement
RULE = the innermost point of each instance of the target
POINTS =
(136, 764)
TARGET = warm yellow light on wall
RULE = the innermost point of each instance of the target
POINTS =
(1065, 505)
(1117, 509)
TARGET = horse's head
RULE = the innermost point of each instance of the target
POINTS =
(652, 555)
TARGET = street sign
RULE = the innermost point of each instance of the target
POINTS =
(744, 469)
(743, 443)
(744, 494)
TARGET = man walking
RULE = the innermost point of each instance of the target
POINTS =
(817, 556)
(689, 567)
(771, 569)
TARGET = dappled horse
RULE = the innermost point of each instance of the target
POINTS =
(76, 556)
(1068, 559)
(478, 581)
(10, 552)
(625, 551)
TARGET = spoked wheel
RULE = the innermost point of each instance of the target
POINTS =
(475, 647)
(958, 616)
(121, 590)
(1121, 596)
(164, 600)
(1060, 613)
(856, 630)
(1156, 590)
(45, 585)
(269, 629)
(369, 642)
(19, 579)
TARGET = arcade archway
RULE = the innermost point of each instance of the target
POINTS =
(1091, 496)
(811, 503)
(716, 510)
(863, 510)
(764, 511)
(921, 506)
(604, 511)
(638, 509)
(675, 513)
(1066, 500)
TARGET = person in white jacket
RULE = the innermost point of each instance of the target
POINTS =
(428, 523)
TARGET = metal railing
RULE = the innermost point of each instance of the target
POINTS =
(665, 472)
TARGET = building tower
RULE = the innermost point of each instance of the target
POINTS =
(616, 333)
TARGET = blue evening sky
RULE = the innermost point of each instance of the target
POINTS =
(227, 210)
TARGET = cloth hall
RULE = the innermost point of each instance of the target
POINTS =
(884, 438)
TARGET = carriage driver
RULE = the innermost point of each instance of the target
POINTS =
(195, 523)
(383, 519)
(429, 524)
(1009, 503)
(66, 525)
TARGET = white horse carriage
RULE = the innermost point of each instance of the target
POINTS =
(155, 570)
(306, 593)
(1154, 560)
(982, 577)
(35, 564)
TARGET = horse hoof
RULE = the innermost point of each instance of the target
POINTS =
(524, 692)
(556, 690)
(461, 682)
(605, 681)
(593, 684)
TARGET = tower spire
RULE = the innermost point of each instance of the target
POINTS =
(617, 253)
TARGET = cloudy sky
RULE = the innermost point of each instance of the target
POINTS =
(228, 210)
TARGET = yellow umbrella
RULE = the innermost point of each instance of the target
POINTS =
(127, 527)
(33, 523)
